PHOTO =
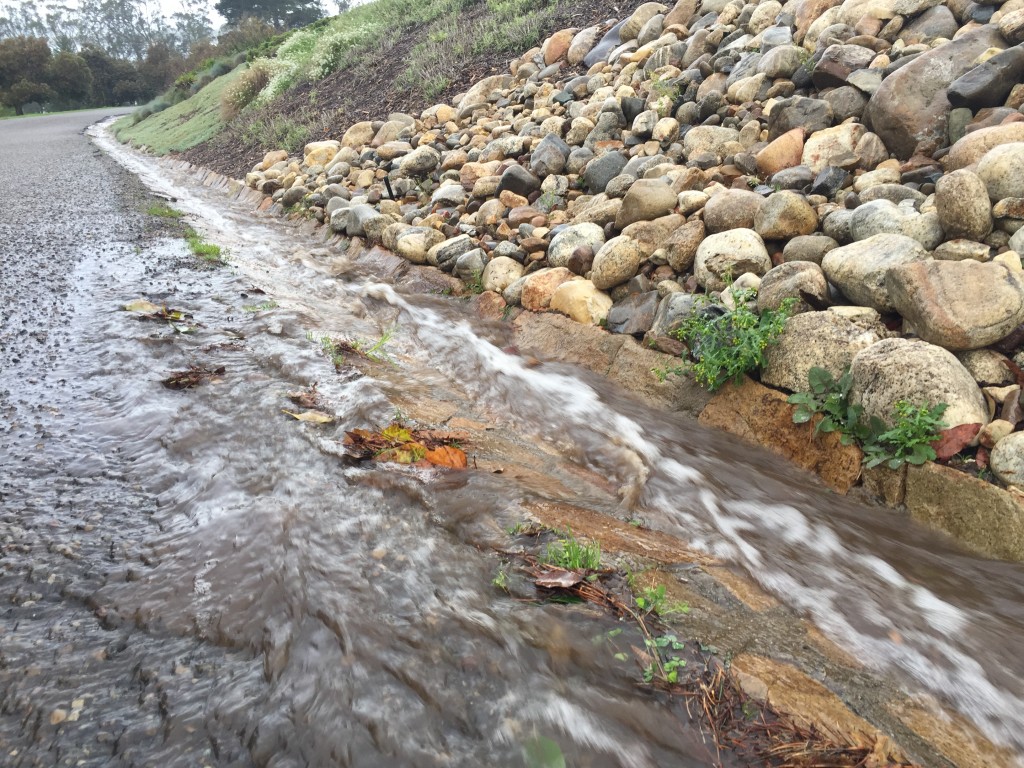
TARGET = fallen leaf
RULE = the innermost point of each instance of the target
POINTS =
(143, 306)
(558, 579)
(407, 453)
(953, 440)
(447, 456)
(313, 417)
(192, 377)
(397, 434)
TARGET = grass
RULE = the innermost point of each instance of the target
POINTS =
(183, 125)
(572, 554)
(164, 211)
(208, 252)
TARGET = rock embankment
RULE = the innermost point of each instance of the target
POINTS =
(865, 157)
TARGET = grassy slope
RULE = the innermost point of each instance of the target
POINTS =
(183, 125)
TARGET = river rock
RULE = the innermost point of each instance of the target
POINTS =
(1002, 170)
(500, 273)
(634, 314)
(639, 17)
(808, 248)
(974, 145)
(443, 254)
(936, 22)
(814, 340)
(582, 301)
(731, 209)
(961, 201)
(832, 146)
(602, 170)
(681, 246)
(469, 267)
(414, 243)
(646, 199)
(616, 262)
(549, 156)
(801, 280)
(782, 61)
(910, 109)
(708, 138)
(784, 152)
(859, 269)
(784, 215)
(582, 43)
(884, 217)
(988, 367)
(730, 253)
(569, 240)
(958, 305)
(919, 373)
(673, 311)
(420, 161)
(989, 83)
(837, 62)
(539, 287)
(519, 181)
(810, 115)
(1007, 459)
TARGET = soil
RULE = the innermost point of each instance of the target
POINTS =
(370, 91)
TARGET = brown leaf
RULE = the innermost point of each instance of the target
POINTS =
(558, 579)
(192, 377)
(313, 417)
(953, 440)
(447, 456)
(981, 457)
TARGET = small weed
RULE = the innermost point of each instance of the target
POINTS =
(831, 398)
(570, 553)
(500, 579)
(666, 664)
(474, 285)
(726, 344)
(548, 202)
(208, 252)
(260, 307)
(375, 351)
(164, 211)
(910, 439)
(653, 600)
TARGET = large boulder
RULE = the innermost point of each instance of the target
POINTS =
(919, 373)
(910, 109)
(958, 305)
(815, 340)
(730, 254)
(859, 269)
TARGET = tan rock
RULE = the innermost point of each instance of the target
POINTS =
(681, 246)
(556, 47)
(831, 145)
(275, 156)
(500, 273)
(358, 135)
(785, 152)
(616, 262)
(540, 286)
(972, 147)
(582, 301)
(762, 416)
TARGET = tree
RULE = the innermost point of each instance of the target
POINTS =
(70, 78)
(191, 26)
(20, 20)
(23, 72)
(283, 14)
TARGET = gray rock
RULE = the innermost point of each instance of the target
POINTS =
(988, 367)
(646, 200)
(859, 269)
(420, 161)
(566, 242)
(731, 209)
(518, 180)
(634, 315)
(837, 225)
(783, 215)
(616, 262)
(672, 313)
(443, 255)
(601, 170)
(812, 115)
(814, 340)
(917, 372)
(989, 83)
(810, 248)
(1007, 459)
(549, 156)
(470, 265)
(793, 280)
(894, 193)
(837, 62)
(1002, 170)
(730, 253)
(883, 217)
(932, 24)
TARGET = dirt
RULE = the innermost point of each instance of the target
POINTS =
(370, 90)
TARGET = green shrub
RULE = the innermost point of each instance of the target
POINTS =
(910, 439)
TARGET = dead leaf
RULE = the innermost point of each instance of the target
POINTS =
(558, 579)
(407, 453)
(447, 456)
(953, 440)
(143, 306)
(313, 417)
(396, 433)
(306, 398)
(192, 377)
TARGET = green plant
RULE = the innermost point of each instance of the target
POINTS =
(260, 307)
(727, 344)
(653, 600)
(375, 351)
(548, 201)
(910, 438)
(500, 579)
(830, 397)
(208, 252)
(570, 553)
(665, 665)
(475, 284)
(164, 211)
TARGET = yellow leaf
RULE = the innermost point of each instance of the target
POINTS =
(397, 434)
(143, 306)
(313, 417)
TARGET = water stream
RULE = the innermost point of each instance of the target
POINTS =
(279, 607)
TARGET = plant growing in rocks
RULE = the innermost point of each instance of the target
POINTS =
(726, 344)
(830, 397)
(910, 439)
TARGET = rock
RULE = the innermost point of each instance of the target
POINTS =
(1002, 170)
(961, 200)
(937, 22)
(681, 246)
(810, 115)
(602, 170)
(882, 216)
(443, 254)
(988, 367)
(958, 250)
(894, 193)
(569, 240)
(729, 253)
(581, 301)
(672, 313)
(958, 305)
(319, 152)
(414, 243)
(808, 248)
(500, 273)
(793, 280)
(972, 147)
(782, 61)
(837, 62)
(832, 146)
(469, 267)
(910, 109)
(549, 156)
(731, 209)
(784, 215)
(762, 416)
(708, 138)
(989, 83)
(784, 152)
(519, 181)
(556, 47)
(814, 340)
(582, 44)
(539, 287)
(920, 373)
(1011, 25)
(616, 262)
(639, 17)
(482, 91)
(294, 195)
(358, 135)
(859, 269)
(634, 314)
(647, 199)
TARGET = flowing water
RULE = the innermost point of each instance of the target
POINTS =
(262, 602)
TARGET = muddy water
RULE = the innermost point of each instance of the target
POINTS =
(193, 578)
